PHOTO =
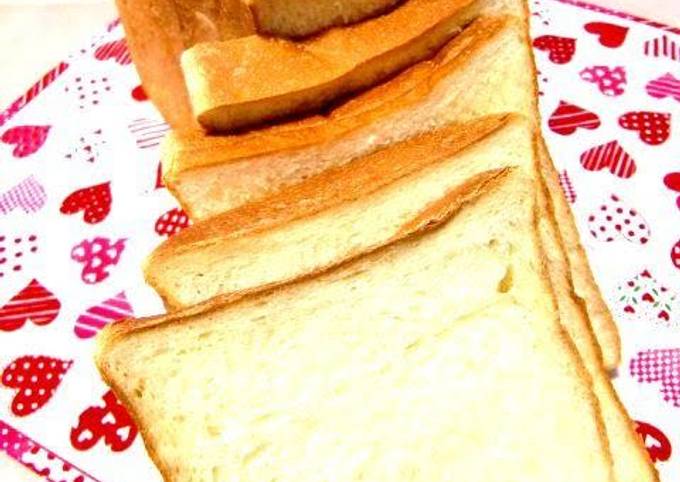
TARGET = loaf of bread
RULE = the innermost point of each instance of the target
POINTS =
(487, 69)
(248, 80)
(297, 18)
(437, 357)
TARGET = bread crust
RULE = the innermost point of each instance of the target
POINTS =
(245, 81)
(158, 31)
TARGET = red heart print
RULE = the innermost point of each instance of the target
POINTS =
(34, 302)
(675, 255)
(171, 222)
(93, 425)
(610, 82)
(652, 300)
(97, 256)
(664, 86)
(139, 94)
(94, 201)
(160, 183)
(653, 127)
(35, 378)
(613, 219)
(26, 139)
(609, 35)
(116, 50)
(609, 156)
(662, 366)
(561, 49)
(672, 182)
(655, 441)
(568, 117)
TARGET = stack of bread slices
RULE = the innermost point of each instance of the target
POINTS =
(383, 280)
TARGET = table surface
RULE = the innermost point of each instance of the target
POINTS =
(65, 24)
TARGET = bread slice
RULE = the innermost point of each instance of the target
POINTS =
(158, 31)
(421, 361)
(297, 18)
(332, 216)
(245, 81)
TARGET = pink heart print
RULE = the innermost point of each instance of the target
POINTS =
(652, 127)
(613, 220)
(148, 133)
(38, 459)
(98, 316)
(29, 196)
(644, 299)
(561, 49)
(610, 82)
(116, 50)
(35, 379)
(567, 187)
(610, 156)
(567, 117)
(26, 139)
(609, 35)
(97, 256)
(664, 86)
(659, 366)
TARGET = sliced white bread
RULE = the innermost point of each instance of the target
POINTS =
(487, 69)
(334, 215)
(211, 174)
(351, 209)
(248, 80)
(158, 31)
(297, 18)
(438, 357)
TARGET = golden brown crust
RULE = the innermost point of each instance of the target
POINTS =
(586, 290)
(186, 150)
(248, 80)
(158, 31)
(333, 187)
(439, 212)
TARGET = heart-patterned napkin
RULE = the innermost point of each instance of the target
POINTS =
(82, 203)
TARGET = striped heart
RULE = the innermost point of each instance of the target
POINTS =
(569, 117)
(34, 303)
(98, 316)
(609, 156)
(664, 86)
(662, 47)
